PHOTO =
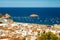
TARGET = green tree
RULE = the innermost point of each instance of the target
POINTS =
(49, 36)
(43, 36)
(58, 38)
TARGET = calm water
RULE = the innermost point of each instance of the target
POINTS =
(46, 15)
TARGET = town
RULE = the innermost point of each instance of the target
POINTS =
(10, 30)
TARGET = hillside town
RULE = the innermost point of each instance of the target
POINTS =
(10, 30)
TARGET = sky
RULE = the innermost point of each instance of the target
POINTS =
(29, 3)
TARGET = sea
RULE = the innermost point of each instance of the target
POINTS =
(46, 15)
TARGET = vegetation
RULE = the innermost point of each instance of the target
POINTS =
(49, 36)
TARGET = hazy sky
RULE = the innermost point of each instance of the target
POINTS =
(29, 3)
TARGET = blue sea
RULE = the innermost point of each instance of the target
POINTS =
(47, 15)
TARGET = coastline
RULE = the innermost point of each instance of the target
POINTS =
(36, 23)
(20, 30)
